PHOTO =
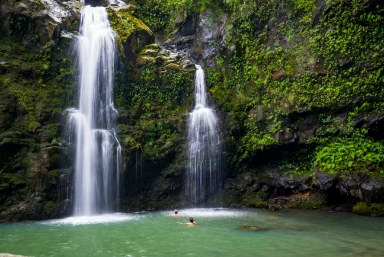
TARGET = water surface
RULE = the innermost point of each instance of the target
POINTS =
(217, 233)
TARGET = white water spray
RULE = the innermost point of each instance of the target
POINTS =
(204, 150)
(96, 186)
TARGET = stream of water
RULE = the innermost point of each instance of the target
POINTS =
(217, 233)
(96, 179)
(203, 180)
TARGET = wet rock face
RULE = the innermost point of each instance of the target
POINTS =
(373, 191)
(43, 19)
(349, 187)
(325, 181)
(198, 37)
(208, 36)
(358, 186)
(184, 33)
(36, 88)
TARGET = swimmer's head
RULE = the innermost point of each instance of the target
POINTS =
(176, 211)
(191, 219)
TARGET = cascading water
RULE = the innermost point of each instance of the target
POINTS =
(203, 180)
(96, 167)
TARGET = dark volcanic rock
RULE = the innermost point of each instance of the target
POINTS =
(291, 184)
(349, 187)
(48, 17)
(285, 137)
(325, 181)
(373, 191)
(208, 35)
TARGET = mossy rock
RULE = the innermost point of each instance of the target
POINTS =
(49, 208)
(153, 47)
(375, 209)
(4, 185)
(173, 66)
(144, 60)
(132, 33)
(149, 52)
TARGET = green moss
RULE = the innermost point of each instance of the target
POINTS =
(125, 24)
(307, 204)
(49, 208)
(254, 202)
(375, 209)
(54, 173)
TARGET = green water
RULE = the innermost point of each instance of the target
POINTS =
(217, 233)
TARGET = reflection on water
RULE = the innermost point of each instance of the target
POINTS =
(217, 233)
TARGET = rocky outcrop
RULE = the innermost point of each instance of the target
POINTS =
(132, 33)
(43, 20)
(325, 181)
(198, 37)
(36, 86)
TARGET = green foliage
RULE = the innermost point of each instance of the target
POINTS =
(300, 162)
(159, 87)
(284, 63)
(312, 203)
(159, 15)
(356, 154)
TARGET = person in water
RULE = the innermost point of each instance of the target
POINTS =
(176, 212)
(191, 222)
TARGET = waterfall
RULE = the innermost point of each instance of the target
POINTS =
(203, 179)
(97, 157)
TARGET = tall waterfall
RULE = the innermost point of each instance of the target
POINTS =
(96, 164)
(204, 150)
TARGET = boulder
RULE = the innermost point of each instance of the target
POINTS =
(325, 181)
(285, 136)
(132, 33)
(173, 66)
(349, 187)
(373, 191)
(48, 17)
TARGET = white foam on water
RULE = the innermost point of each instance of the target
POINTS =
(87, 220)
(214, 212)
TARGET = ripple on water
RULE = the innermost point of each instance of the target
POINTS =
(86, 220)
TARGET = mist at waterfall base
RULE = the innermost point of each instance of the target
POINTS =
(91, 126)
(203, 180)
(290, 233)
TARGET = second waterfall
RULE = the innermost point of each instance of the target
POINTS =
(203, 182)
(96, 164)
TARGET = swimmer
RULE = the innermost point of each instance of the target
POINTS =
(175, 213)
(191, 222)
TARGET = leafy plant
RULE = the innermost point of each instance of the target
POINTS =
(356, 154)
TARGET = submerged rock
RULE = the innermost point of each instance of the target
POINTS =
(253, 228)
